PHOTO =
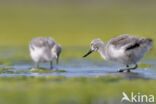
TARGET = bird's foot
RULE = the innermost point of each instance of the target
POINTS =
(121, 70)
(128, 69)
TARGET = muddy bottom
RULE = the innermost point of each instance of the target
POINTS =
(78, 68)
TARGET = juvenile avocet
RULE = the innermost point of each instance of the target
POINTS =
(125, 49)
(44, 49)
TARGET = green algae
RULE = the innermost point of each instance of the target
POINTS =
(61, 71)
(43, 70)
(144, 66)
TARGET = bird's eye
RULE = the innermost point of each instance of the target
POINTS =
(96, 48)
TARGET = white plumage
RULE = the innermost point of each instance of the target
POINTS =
(44, 49)
(125, 49)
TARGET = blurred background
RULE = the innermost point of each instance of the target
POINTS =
(72, 23)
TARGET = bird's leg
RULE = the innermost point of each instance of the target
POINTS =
(132, 68)
(128, 70)
(51, 65)
(37, 65)
(122, 70)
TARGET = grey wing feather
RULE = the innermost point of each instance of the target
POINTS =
(120, 41)
(42, 42)
(131, 42)
(141, 44)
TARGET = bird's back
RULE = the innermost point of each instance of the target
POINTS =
(122, 40)
(42, 42)
(128, 48)
(130, 42)
(40, 48)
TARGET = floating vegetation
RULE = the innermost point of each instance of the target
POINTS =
(144, 65)
(41, 70)
(61, 71)
(6, 68)
(6, 71)
(21, 72)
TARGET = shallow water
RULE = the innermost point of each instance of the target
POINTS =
(80, 67)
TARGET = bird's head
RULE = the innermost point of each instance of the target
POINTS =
(56, 51)
(95, 45)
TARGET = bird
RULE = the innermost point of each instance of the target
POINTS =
(125, 49)
(44, 49)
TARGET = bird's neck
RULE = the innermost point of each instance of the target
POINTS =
(102, 51)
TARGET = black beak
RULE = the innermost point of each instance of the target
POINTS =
(90, 51)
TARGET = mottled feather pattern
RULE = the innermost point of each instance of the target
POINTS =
(130, 42)
(42, 42)
(44, 49)
(124, 49)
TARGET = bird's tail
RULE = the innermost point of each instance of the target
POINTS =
(147, 44)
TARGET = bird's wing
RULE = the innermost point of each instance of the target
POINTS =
(132, 46)
(43, 42)
(51, 42)
(142, 44)
(125, 42)
(118, 39)
(135, 42)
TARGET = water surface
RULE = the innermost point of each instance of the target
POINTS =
(78, 68)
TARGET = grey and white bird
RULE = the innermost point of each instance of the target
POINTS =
(44, 49)
(125, 49)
